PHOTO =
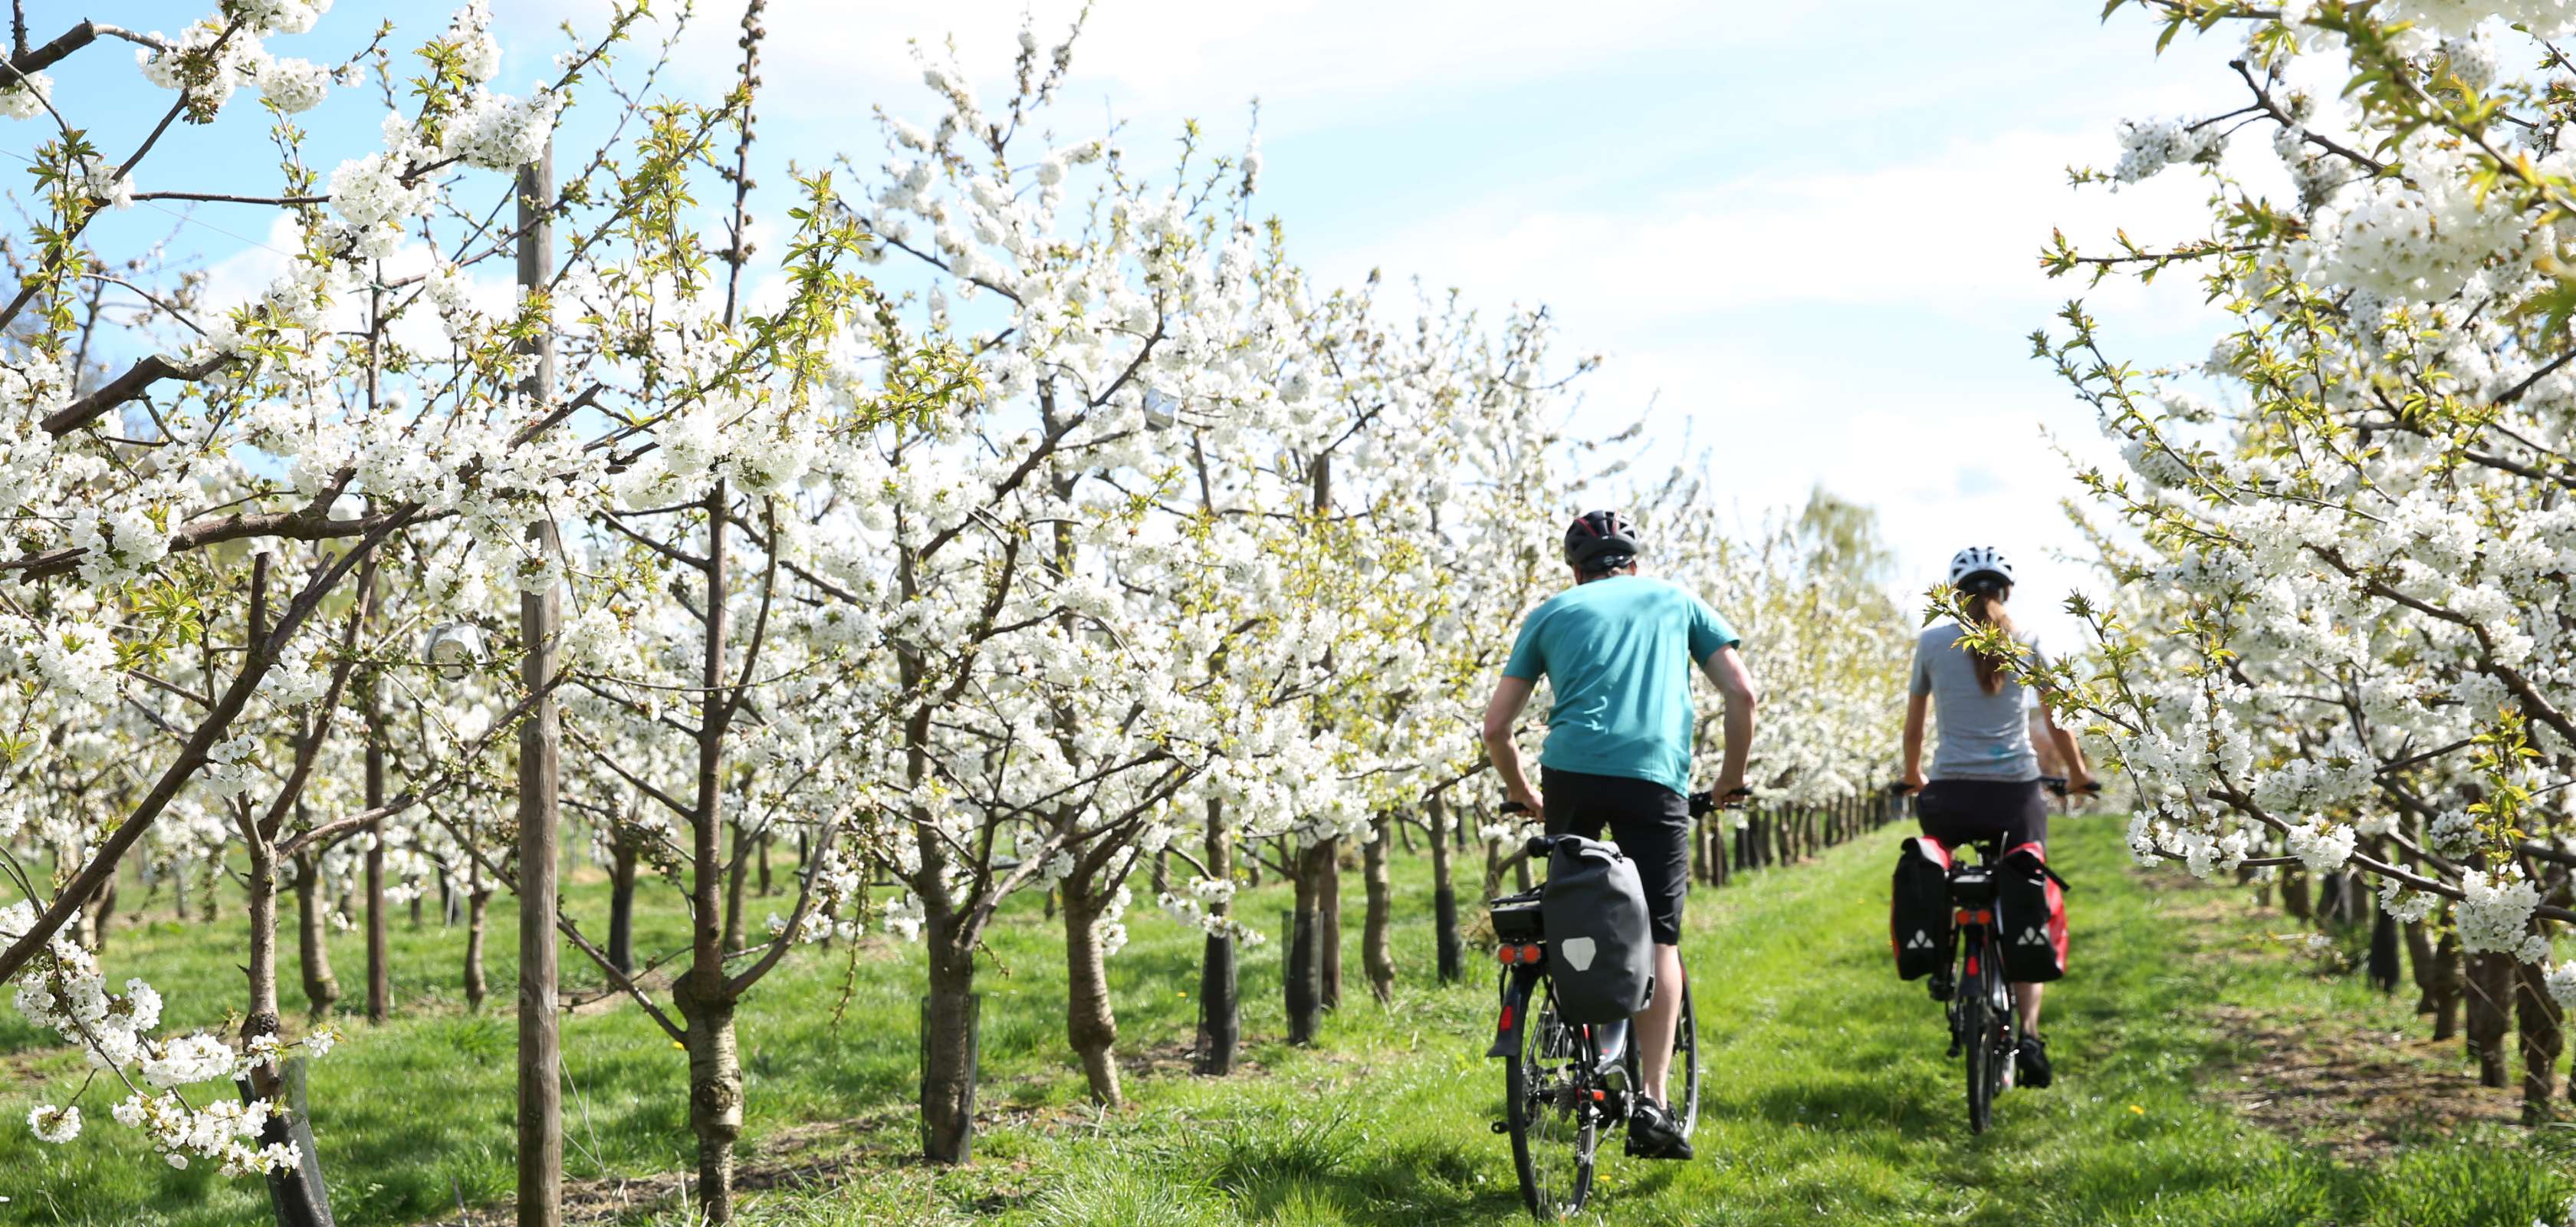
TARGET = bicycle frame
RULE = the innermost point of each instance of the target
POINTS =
(1984, 1025)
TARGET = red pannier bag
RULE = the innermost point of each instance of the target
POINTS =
(2031, 904)
(1918, 913)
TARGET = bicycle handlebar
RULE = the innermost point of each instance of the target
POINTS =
(1701, 803)
(2053, 783)
(1706, 801)
(2057, 784)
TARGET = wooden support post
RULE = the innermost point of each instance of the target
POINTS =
(540, 1201)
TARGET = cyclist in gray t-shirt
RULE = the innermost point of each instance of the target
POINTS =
(1985, 773)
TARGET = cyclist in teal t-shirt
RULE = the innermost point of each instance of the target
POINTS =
(1617, 651)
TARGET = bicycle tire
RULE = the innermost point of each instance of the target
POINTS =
(1976, 1033)
(1686, 1063)
(1548, 1111)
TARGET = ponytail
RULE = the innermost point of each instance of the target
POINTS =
(1987, 607)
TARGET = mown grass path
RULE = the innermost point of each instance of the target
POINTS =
(1828, 1097)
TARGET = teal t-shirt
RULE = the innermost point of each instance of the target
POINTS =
(1618, 653)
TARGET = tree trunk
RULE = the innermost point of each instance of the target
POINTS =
(1328, 907)
(1444, 894)
(2418, 943)
(1089, 1024)
(948, 1042)
(2450, 989)
(1220, 1019)
(262, 1017)
(2537, 1017)
(621, 903)
(2490, 1000)
(312, 950)
(733, 889)
(766, 839)
(715, 1095)
(1305, 988)
(475, 989)
(2384, 961)
(2294, 894)
(1377, 957)
(100, 912)
(294, 1199)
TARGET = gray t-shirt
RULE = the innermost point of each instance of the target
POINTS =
(1982, 736)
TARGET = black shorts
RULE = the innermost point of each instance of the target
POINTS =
(1959, 811)
(1650, 823)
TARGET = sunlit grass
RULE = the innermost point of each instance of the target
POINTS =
(1828, 1098)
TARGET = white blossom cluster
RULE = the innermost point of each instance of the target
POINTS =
(68, 995)
(2322, 846)
(2148, 146)
(2340, 617)
(24, 97)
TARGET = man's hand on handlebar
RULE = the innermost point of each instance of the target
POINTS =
(2081, 785)
(1530, 803)
(1709, 800)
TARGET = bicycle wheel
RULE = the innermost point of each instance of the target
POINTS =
(1685, 1103)
(1976, 1032)
(1549, 1112)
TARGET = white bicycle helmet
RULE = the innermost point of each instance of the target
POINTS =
(1980, 560)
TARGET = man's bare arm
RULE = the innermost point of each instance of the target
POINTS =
(1501, 713)
(1725, 668)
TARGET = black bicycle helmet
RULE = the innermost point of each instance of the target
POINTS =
(1600, 541)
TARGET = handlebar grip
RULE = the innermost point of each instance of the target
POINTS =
(1514, 807)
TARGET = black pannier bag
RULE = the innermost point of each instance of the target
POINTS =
(1600, 950)
(1918, 911)
(2030, 905)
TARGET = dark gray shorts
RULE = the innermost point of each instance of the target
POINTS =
(1958, 811)
(1650, 823)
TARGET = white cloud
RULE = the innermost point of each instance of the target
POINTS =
(1955, 233)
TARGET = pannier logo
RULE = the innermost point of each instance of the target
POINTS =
(1922, 941)
(2031, 937)
(1578, 952)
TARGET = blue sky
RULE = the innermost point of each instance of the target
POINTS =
(1805, 234)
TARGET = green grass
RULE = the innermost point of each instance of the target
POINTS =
(1828, 1097)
